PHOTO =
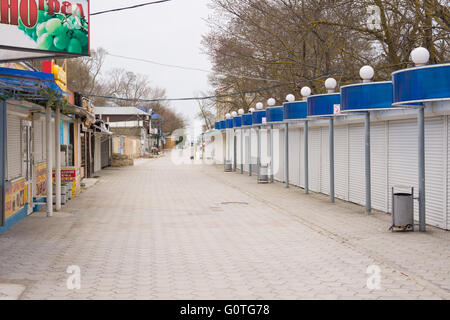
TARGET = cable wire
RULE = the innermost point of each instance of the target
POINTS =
(189, 68)
(206, 97)
(130, 7)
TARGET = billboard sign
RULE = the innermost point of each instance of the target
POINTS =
(31, 29)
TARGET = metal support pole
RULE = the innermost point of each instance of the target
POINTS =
(242, 151)
(3, 151)
(306, 157)
(271, 154)
(48, 122)
(421, 123)
(57, 159)
(331, 159)
(250, 152)
(367, 158)
(286, 154)
(224, 148)
(258, 156)
(234, 151)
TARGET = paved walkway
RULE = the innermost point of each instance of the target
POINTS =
(160, 231)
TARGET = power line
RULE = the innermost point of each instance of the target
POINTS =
(189, 68)
(130, 7)
(206, 97)
(189, 98)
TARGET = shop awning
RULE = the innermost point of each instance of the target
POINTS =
(22, 84)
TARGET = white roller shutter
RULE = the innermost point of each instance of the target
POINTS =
(447, 193)
(246, 153)
(356, 164)
(218, 147)
(403, 159)
(435, 179)
(341, 162)
(378, 164)
(238, 148)
(325, 160)
(301, 155)
(38, 137)
(254, 151)
(294, 156)
(14, 151)
(279, 173)
(98, 153)
(265, 147)
(314, 137)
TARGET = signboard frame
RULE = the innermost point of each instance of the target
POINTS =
(22, 53)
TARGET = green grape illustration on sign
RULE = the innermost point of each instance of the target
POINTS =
(60, 26)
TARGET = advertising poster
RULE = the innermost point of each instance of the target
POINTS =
(15, 197)
(73, 176)
(43, 28)
(41, 180)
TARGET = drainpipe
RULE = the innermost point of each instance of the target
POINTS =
(48, 122)
(421, 124)
(58, 159)
(331, 159)
(306, 157)
(3, 151)
(286, 154)
(367, 156)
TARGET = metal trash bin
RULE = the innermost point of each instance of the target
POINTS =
(263, 175)
(228, 166)
(402, 211)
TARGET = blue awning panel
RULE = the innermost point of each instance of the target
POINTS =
(24, 84)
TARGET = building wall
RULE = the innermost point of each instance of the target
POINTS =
(394, 158)
(128, 146)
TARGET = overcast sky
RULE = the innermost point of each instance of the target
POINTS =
(167, 33)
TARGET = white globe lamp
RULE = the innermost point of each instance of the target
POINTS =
(234, 114)
(241, 111)
(420, 56)
(330, 84)
(290, 98)
(259, 105)
(366, 73)
(271, 102)
(306, 92)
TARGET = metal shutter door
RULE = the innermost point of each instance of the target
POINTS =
(238, 148)
(66, 132)
(301, 155)
(276, 151)
(356, 164)
(265, 148)
(246, 153)
(97, 153)
(38, 136)
(403, 157)
(325, 160)
(279, 173)
(14, 151)
(434, 172)
(448, 171)
(314, 137)
(294, 156)
(341, 162)
(105, 152)
(218, 148)
(378, 163)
